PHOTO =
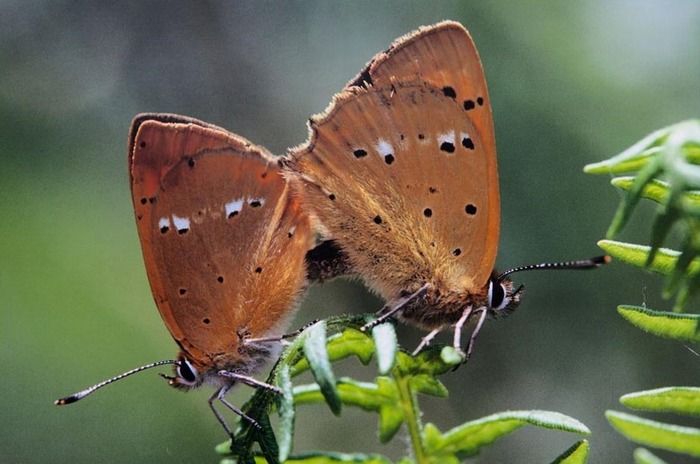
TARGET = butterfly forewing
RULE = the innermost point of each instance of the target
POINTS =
(214, 214)
(445, 56)
(397, 175)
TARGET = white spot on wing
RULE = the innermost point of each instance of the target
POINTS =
(164, 222)
(181, 223)
(233, 206)
(384, 148)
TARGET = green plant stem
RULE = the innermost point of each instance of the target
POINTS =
(410, 408)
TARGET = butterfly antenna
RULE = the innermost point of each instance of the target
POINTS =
(591, 263)
(83, 393)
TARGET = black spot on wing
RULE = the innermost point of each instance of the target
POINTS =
(449, 92)
(447, 147)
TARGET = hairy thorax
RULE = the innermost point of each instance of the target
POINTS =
(440, 308)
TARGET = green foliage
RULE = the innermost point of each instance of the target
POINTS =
(666, 170)
(681, 400)
(644, 456)
(683, 327)
(576, 454)
(393, 396)
(657, 434)
(467, 439)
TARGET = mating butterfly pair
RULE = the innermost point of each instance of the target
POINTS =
(399, 177)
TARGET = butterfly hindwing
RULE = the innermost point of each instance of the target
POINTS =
(215, 218)
(396, 176)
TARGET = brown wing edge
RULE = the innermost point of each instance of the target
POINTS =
(171, 118)
(363, 82)
(364, 77)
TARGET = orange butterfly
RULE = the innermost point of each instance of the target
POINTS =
(224, 243)
(401, 172)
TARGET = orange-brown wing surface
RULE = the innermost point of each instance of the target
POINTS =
(401, 179)
(445, 56)
(222, 238)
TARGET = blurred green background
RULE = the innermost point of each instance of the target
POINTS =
(570, 82)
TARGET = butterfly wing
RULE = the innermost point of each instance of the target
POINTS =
(222, 238)
(410, 143)
(399, 177)
(445, 56)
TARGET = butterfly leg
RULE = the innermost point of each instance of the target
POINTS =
(247, 340)
(457, 341)
(250, 381)
(217, 394)
(398, 307)
(425, 341)
(472, 339)
(243, 415)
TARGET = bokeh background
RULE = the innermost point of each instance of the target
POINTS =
(570, 82)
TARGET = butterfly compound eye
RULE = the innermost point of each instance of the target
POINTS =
(186, 372)
(497, 295)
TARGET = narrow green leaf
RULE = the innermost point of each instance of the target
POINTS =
(467, 439)
(683, 327)
(381, 397)
(644, 456)
(428, 385)
(364, 395)
(631, 164)
(663, 223)
(285, 409)
(682, 269)
(429, 361)
(391, 416)
(632, 197)
(656, 434)
(681, 400)
(317, 355)
(657, 190)
(576, 454)
(690, 288)
(635, 157)
(386, 346)
(266, 439)
(339, 346)
(636, 255)
(331, 458)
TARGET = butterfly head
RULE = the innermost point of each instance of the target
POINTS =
(502, 297)
(188, 374)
